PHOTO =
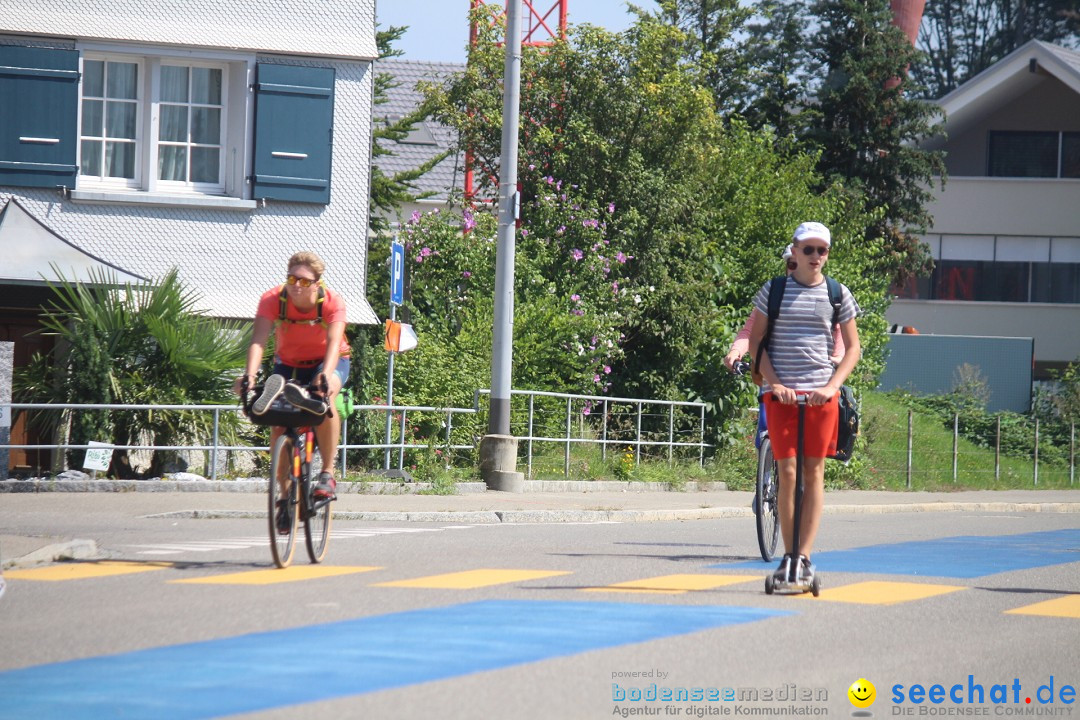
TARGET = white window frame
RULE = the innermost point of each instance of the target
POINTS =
(140, 108)
(233, 190)
(157, 183)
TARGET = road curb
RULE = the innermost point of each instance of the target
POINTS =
(491, 517)
(258, 485)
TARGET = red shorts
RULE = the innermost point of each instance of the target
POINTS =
(819, 428)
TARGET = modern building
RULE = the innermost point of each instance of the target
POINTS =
(1006, 230)
(215, 138)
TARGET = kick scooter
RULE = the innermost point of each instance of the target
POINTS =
(793, 583)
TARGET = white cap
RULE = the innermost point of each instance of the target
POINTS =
(787, 252)
(810, 230)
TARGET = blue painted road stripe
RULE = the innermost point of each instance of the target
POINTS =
(955, 557)
(303, 665)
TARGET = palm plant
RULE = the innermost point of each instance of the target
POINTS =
(144, 343)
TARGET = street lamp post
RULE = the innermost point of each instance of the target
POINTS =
(498, 451)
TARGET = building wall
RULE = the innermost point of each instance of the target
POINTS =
(229, 256)
(1058, 109)
(1053, 327)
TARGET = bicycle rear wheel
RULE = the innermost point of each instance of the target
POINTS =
(766, 511)
(282, 546)
(317, 527)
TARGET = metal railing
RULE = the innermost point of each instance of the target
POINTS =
(600, 432)
(603, 428)
(400, 412)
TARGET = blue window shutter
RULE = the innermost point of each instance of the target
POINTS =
(39, 109)
(294, 117)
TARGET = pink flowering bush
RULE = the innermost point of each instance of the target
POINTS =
(568, 303)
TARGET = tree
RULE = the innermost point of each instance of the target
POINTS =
(701, 203)
(870, 125)
(711, 31)
(388, 192)
(144, 344)
(960, 39)
(782, 69)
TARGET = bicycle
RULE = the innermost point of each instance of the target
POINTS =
(766, 508)
(293, 451)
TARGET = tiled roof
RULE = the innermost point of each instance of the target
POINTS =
(402, 99)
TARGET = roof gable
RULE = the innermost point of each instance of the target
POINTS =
(1009, 78)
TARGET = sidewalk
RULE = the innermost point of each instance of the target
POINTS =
(542, 503)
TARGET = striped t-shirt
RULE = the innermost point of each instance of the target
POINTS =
(801, 340)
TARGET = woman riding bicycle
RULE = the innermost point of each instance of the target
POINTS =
(309, 323)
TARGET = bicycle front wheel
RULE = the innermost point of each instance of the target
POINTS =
(766, 511)
(282, 544)
(317, 526)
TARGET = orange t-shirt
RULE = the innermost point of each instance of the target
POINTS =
(302, 343)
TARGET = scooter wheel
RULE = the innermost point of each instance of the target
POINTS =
(769, 587)
(815, 586)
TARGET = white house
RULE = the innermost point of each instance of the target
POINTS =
(216, 138)
(1006, 230)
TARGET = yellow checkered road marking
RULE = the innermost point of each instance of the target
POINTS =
(1066, 607)
(876, 592)
(83, 570)
(470, 579)
(294, 573)
(675, 584)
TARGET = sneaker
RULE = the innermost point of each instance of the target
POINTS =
(806, 569)
(324, 489)
(781, 573)
(754, 504)
(301, 398)
(271, 389)
(284, 520)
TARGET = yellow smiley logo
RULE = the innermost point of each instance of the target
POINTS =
(862, 693)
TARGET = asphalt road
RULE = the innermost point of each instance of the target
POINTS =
(184, 618)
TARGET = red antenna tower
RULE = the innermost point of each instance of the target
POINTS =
(538, 29)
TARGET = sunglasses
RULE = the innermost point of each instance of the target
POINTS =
(810, 250)
(302, 282)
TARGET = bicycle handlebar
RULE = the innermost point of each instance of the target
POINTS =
(741, 367)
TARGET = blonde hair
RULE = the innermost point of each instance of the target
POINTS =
(313, 261)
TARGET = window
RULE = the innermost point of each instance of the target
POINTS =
(1034, 154)
(153, 124)
(109, 124)
(110, 119)
(190, 128)
(1055, 282)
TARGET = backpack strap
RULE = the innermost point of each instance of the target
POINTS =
(283, 307)
(776, 297)
(836, 298)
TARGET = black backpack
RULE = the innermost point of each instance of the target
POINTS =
(848, 426)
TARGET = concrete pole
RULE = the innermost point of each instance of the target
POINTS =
(498, 453)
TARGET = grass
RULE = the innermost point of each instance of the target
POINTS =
(883, 455)
(880, 461)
